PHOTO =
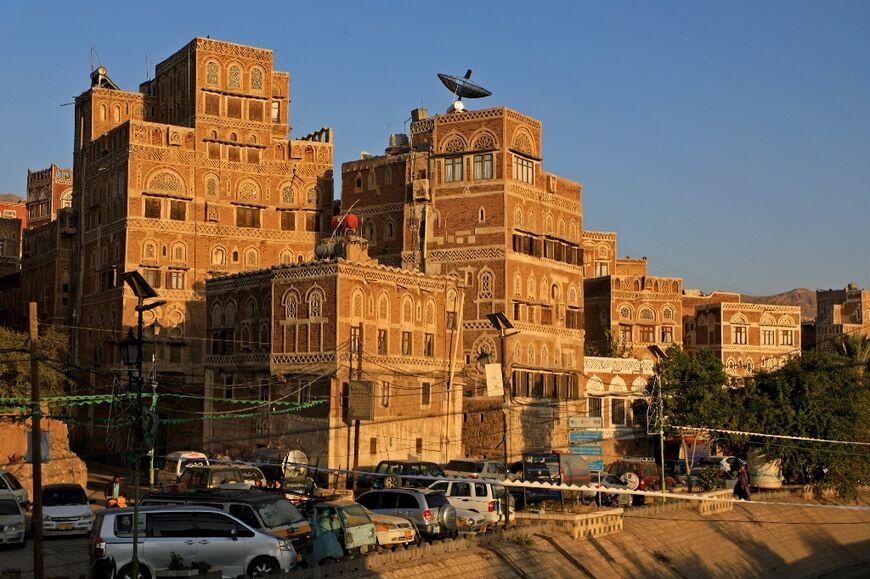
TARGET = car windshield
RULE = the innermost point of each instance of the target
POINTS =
(11, 481)
(8, 507)
(193, 462)
(464, 466)
(353, 516)
(278, 513)
(63, 497)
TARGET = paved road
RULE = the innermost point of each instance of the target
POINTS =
(64, 557)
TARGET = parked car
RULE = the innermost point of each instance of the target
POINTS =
(210, 476)
(647, 475)
(476, 468)
(267, 512)
(9, 483)
(194, 533)
(469, 522)
(252, 475)
(11, 520)
(66, 510)
(429, 510)
(390, 474)
(287, 468)
(602, 481)
(392, 531)
(175, 462)
(547, 467)
(339, 528)
(480, 497)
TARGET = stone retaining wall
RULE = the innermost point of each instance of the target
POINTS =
(579, 526)
(387, 560)
(720, 502)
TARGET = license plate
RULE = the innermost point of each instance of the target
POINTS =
(409, 535)
(65, 526)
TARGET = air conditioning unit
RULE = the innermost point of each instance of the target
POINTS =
(421, 190)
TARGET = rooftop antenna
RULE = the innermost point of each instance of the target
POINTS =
(91, 53)
(461, 86)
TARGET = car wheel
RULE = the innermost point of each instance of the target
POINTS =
(391, 482)
(262, 566)
(126, 572)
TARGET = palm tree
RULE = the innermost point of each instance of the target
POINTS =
(857, 347)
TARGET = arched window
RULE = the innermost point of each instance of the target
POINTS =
(235, 77)
(288, 196)
(251, 257)
(625, 313)
(531, 288)
(481, 215)
(291, 305)
(286, 257)
(545, 355)
(264, 336)
(235, 256)
(66, 199)
(530, 354)
(150, 250)
(647, 314)
(250, 309)
(518, 218)
(178, 252)
(430, 313)
(211, 186)
(211, 75)
(315, 304)
(518, 285)
(530, 220)
(407, 310)
(357, 304)
(484, 290)
(217, 315)
(389, 230)
(384, 308)
(256, 79)
(230, 314)
(369, 231)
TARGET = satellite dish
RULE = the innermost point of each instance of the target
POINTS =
(462, 87)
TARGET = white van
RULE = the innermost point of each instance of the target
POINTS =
(175, 464)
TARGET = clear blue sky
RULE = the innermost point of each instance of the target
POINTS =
(727, 141)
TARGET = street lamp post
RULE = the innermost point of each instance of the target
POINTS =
(501, 323)
(131, 354)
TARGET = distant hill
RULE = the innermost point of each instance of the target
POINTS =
(10, 198)
(802, 297)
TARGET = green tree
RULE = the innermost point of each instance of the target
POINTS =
(694, 391)
(817, 395)
(15, 363)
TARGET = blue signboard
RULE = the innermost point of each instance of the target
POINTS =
(584, 436)
(595, 464)
(591, 449)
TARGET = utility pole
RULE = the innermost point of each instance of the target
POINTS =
(36, 444)
(505, 409)
(356, 421)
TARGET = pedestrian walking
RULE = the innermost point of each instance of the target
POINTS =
(741, 489)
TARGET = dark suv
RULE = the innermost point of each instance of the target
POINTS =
(392, 474)
(429, 510)
(648, 473)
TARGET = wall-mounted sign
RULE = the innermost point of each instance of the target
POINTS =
(585, 422)
(584, 436)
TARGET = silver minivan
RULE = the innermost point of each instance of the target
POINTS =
(197, 534)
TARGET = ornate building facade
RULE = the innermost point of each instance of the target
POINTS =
(627, 310)
(841, 313)
(190, 177)
(48, 190)
(747, 337)
(468, 196)
(304, 333)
